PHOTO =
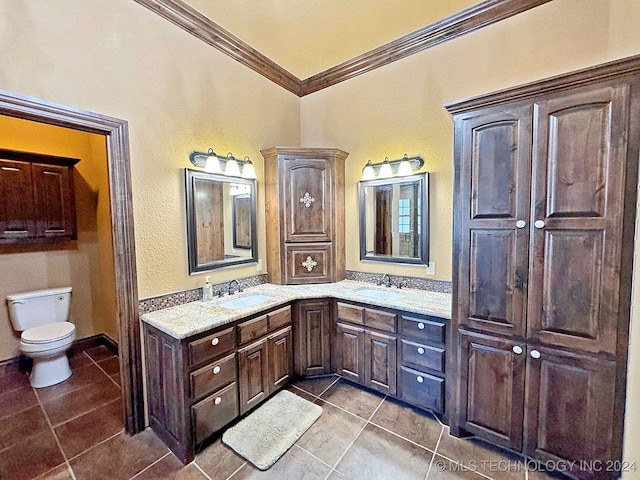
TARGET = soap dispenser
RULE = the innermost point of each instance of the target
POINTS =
(207, 290)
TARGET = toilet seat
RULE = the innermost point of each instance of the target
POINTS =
(47, 337)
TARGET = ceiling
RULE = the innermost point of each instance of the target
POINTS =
(306, 37)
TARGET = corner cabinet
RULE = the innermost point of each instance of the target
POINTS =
(305, 211)
(37, 201)
(198, 385)
(543, 243)
(312, 345)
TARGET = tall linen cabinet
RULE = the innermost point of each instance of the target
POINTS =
(546, 178)
(305, 214)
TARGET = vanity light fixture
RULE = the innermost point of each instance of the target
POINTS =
(388, 168)
(229, 165)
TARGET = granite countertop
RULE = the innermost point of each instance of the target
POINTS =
(189, 319)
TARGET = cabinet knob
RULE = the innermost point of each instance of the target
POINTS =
(421, 350)
(215, 341)
(216, 370)
(420, 326)
(538, 224)
(521, 224)
(309, 263)
(217, 401)
(517, 349)
(420, 379)
(535, 354)
(307, 199)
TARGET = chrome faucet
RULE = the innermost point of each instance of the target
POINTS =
(385, 280)
(238, 284)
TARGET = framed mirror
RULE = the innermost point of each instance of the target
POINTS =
(394, 219)
(221, 221)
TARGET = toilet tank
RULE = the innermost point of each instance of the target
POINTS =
(38, 307)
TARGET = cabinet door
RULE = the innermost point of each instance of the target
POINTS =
(308, 263)
(493, 163)
(16, 200)
(164, 381)
(280, 353)
(308, 188)
(380, 354)
(350, 352)
(570, 405)
(54, 204)
(578, 193)
(312, 346)
(253, 375)
(492, 391)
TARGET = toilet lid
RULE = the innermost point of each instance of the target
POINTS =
(48, 333)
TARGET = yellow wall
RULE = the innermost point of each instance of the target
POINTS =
(85, 264)
(398, 109)
(177, 93)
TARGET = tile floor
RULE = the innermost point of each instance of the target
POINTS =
(74, 430)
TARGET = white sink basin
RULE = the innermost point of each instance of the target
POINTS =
(246, 301)
(379, 294)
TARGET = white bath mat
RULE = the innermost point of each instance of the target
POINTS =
(267, 433)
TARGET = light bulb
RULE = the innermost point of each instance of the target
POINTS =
(385, 169)
(247, 170)
(212, 165)
(404, 168)
(232, 169)
(367, 172)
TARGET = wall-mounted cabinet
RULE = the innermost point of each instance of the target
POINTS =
(37, 201)
(305, 212)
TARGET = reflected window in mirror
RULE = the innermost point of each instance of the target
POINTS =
(394, 219)
(221, 221)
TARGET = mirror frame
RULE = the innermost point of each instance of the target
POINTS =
(192, 240)
(423, 185)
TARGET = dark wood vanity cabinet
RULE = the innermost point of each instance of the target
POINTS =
(545, 201)
(312, 343)
(37, 200)
(265, 362)
(305, 211)
(394, 352)
(198, 385)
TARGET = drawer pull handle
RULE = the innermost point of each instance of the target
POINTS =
(216, 370)
(421, 350)
(517, 349)
(217, 401)
(215, 341)
(420, 326)
(535, 354)
(420, 379)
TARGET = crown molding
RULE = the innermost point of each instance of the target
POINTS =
(579, 78)
(484, 13)
(188, 18)
(466, 21)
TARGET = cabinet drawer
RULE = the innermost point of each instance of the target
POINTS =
(429, 329)
(308, 263)
(350, 313)
(279, 318)
(380, 320)
(421, 356)
(211, 346)
(214, 412)
(213, 377)
(421, 389)
(252, 329)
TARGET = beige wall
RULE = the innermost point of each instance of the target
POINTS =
(398, 109)
(177, 93)
(85, 264)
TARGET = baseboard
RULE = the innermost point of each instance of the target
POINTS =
(23, 364)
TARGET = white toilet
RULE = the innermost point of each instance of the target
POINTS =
(42, 317)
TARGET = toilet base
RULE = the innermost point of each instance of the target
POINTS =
(49, 371)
